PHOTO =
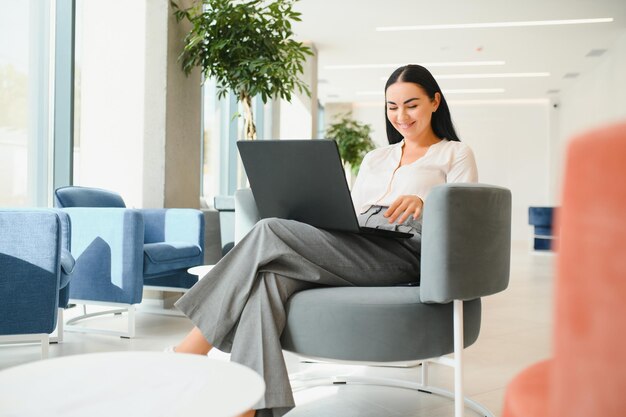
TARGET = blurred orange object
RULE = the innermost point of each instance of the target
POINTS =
(587, 375)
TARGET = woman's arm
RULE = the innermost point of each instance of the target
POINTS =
(462, 169)
(463, 166)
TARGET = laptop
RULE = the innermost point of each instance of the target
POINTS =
(303, 180)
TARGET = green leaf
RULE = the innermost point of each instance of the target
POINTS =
(353, 139)
(246, 45)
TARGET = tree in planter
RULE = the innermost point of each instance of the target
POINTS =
(353, 140)
(247, 47)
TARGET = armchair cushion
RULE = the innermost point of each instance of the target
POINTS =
(173, 225)
(385, 324)
(169, 256)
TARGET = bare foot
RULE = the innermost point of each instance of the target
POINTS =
(249, 413)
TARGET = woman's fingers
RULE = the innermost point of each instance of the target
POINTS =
(396, 209)
(403, 207)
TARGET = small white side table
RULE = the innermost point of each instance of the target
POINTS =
(138, 384)
(200, 270)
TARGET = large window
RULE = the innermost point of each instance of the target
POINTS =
(25, 139)
(211, 142)
(222, 172)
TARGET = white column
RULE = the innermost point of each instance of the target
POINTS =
(140, 126)
(111, 70)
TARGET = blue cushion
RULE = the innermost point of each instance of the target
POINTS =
(86, 197)
(167, 257)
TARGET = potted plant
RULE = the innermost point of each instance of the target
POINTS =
(353, 140)
(247, 47)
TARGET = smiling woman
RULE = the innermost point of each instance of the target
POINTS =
(239, 306)
(424, 148)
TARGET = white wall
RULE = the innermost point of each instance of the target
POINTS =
(374, 115)
(295, 119)
(511, 142)
(596, 98)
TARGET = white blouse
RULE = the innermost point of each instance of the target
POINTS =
(382, 180)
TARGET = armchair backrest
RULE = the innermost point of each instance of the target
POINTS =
(73, 196)
(466, 242)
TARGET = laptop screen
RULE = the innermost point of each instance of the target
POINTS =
(301, 180)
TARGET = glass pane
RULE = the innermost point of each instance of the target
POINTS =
(24, 103)
(211, 143)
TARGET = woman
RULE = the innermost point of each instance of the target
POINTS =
(239, 306)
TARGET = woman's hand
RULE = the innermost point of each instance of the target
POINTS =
(403, 207)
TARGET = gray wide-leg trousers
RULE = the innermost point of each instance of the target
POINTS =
(239, 305)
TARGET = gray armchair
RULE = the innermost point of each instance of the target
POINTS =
(35, 269)
(465, 256)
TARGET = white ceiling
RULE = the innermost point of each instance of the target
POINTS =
(344, 33)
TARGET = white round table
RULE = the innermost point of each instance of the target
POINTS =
(138, 384)
(200, 270)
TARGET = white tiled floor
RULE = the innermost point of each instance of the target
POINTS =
(516, 331)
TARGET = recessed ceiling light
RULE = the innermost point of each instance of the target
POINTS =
(425, 64)
(477, 102)
(455, 102)
(473, 90)
(448, 91)
(501, 75)
(571, 75)
(553, 91)
(496, 24)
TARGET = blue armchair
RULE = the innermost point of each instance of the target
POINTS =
(119, 251)
(35, 269)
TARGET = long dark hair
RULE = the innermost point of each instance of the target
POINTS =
(441, 121)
